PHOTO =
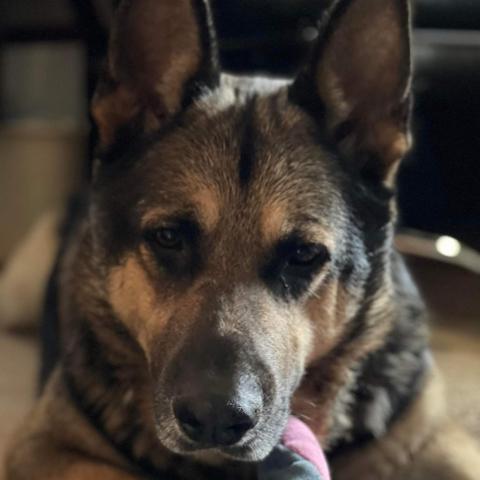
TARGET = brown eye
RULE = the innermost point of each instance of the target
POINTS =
(168, 238)
(307, 255)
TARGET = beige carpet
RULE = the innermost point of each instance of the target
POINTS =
(18, 367)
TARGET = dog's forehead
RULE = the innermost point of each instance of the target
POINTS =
(244, 145)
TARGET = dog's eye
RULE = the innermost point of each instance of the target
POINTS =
(303, 255)
(294, 265)
(307, 256)
(168, 238)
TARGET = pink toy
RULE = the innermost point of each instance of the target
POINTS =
(298, 438)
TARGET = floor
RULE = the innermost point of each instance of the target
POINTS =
(454, 299)
(18, 366)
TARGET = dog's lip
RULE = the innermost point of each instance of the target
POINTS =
(232, 450)
(243, 452)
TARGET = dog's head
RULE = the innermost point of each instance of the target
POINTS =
(245, 223)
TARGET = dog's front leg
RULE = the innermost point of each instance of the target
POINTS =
(92, 471)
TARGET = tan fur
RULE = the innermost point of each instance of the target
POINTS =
(135, 302)
(201, 195)
(208, 206)
(272, 223)
(275, 222)
(329, 311)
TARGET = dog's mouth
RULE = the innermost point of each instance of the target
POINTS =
(215, 454)
(250, 450)
(254, 446)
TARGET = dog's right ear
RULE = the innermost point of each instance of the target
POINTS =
(161, 53)
(358, 83)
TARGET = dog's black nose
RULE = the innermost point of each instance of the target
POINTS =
(215, 421)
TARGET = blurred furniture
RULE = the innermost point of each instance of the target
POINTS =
(41, 164)
(43, 109)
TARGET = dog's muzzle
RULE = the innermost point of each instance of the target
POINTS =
(216, 393)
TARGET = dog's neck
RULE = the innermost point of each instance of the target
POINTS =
(387, 380)
(114, 392)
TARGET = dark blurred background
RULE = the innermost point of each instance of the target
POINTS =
(51, 50)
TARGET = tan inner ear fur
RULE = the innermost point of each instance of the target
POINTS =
(113, 109)
(363, 78)
(155, 50)
(364, 58)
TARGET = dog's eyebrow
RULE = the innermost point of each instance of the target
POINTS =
(309, 220)
(160, 215)
(312, 228)
(203, 209)
(304, 223)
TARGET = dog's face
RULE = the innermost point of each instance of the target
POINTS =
(240, 220)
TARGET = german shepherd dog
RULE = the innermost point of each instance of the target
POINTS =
(234, 264)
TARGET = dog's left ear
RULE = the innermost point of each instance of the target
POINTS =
(359, 82)
(161, 53)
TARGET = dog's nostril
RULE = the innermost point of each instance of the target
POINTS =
(213, 422)
(231, 434)
(191, 422)
(188, 422)
(241, 427)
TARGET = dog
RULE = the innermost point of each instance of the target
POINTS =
(233, 263)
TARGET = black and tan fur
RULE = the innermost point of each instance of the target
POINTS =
(284, 291)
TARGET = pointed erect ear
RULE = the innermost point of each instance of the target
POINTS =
(161, 53)
(359, 82)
